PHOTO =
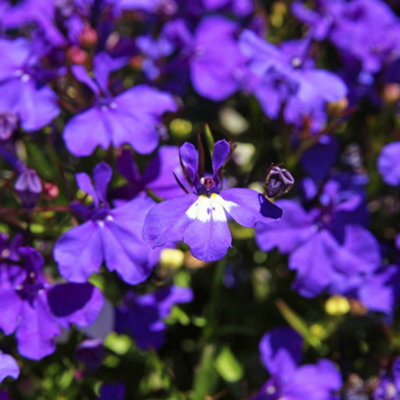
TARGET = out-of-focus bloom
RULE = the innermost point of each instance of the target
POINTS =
(200, 217)
(328, 246)
(284, 76)
(8, 367)
(216, 64)
(35, 310)
(110, 234)
(389, 163)
(142, 316)
(348, 26)
(133, 117)
(158, 176)
(22, 85)
(91, 352)
(281, 354)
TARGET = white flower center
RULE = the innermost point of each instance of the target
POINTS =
(207, 208)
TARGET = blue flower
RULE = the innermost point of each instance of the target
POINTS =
(281, 354)
(200, 217)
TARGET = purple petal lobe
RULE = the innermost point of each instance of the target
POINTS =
(84, 132)
(8, 367)
(280, 351)
(79, 252)
(247, 207)
(294, 228)
(389, 163)
(35, 334)
(102, 174)
(208, 234)
(190, 160)
(166, 221)
(221, 152)
(78, 303)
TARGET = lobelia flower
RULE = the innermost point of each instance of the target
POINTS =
(200, 217)
(132, 117)
(216, 63)
(22, 85)
(389, 163)
(8, 367)
(109, 234)
(142, 316)
(281, 354)
(347, 25)
(35, 310)
(327, 245)
(284, 76)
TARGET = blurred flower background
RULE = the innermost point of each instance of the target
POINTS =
(200, 199)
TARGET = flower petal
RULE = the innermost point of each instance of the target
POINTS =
(208, 234)
(247, 207)
(166, 221)
(84, 132)
(79, 252)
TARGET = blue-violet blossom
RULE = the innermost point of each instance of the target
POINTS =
(200, 217)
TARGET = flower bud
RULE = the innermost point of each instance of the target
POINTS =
(76, 55)
(8, 124)
(28, 186)
(88, 37)
(279, 181)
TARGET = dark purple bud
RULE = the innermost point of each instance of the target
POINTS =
(28, 186)
(279, 181)
(8, 124)
(91, 352)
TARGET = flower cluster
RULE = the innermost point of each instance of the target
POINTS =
(135, 264)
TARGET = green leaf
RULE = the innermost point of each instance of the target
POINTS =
(228, 366)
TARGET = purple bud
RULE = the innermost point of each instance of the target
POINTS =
(8, 124)
(28, 186)
(279, 181)
(91, 352)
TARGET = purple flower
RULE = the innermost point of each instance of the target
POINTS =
(8, 367)
(281, 354)
(158, 176)
(348, 26)
(216, 63)
(22, 86)
(389, 163)
(142, 316)
(132, 117)
(285, 77)
(328, 247)
(35, 310)
(109, 234)
(200, 217)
